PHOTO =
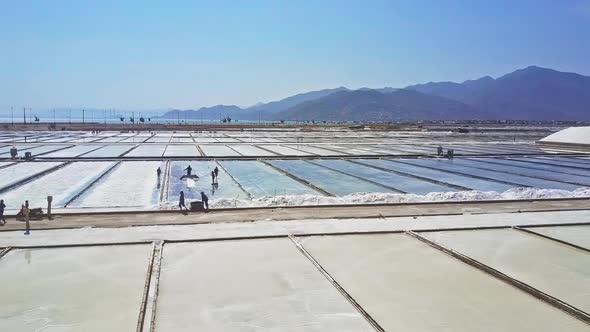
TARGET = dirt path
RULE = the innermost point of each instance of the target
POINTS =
(298, 213)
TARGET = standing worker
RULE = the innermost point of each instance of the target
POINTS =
(188, 170)
(216, 170)
(205, 200)
(213, 177)
(26, 215)
(2, 206)
(439, 151)
(450, 153)
(181, 201)
(159, 172)
(13, 152)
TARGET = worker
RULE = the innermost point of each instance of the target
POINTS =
(216, 170)
(13, 152)
(450, 153)
(439, 151)
(159, 173)
(213, 178)
(181, 201)
(26, 215)
(2, 207)
(205, 200)
(188, 170)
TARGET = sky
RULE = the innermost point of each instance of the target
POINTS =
(144, 55)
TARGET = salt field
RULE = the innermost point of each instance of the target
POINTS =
(63, 184)
(362, 275)
(266, 168)
(228, 188)
(277, 289)
(401, 281)
(302, 166)
(72, 289)
(12, 175)
(554, 268)
(262, 180)
(128, 184)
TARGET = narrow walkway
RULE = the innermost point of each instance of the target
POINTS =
(150, 218)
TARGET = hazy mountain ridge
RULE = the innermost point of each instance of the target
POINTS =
(371, 105)
(286, 103)
(532, 93)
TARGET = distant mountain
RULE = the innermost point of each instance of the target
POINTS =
(532, 93)
(382, 90)
(371, 105)
(286, 103)
(215, 113)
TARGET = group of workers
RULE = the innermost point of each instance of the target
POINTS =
(214, 174)
(450, 152)
(189, 174)
(204, 199)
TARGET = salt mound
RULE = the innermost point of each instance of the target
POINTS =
(389, 198)
(572, 135)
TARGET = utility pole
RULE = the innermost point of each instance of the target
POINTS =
(12, 115)
(24, 115)
(83, 111)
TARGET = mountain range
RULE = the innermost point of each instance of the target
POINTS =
(532, 93)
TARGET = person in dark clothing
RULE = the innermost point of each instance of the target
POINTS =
(159, 173)
(439, 151)
(450, 153)
(213, 177)
(188, 170)
(216, 170)
(205, 200)
(13, 152)
(26, 213)
(2, 206)
(181, 201)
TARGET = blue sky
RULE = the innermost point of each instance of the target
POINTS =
(160, 54)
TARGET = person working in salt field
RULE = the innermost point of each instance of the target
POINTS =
(216, 170)
(13, 152)
(26, 215)
(439, 151)
(2, 207)
(181, 201)
(213, 178)
(159, 173)
(205, 200)
(189, 174)
(450, 153)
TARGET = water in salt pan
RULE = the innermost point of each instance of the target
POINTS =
(72, 289)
